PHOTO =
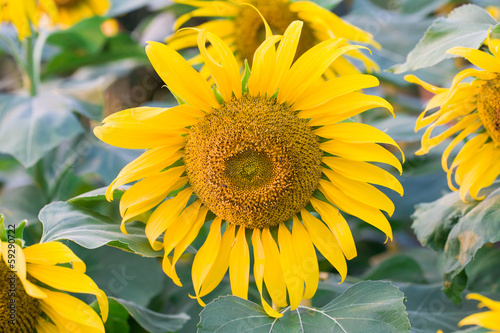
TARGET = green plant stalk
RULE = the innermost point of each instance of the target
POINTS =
(30, 66)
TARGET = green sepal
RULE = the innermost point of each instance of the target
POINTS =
(218, 96)
(179, 100)
(20, 230)
(275, 95)
(246, 77)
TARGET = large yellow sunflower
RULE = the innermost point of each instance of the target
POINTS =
(267, 153)
(467, 108)
(242, 29)
(29, 298)
(487, 319)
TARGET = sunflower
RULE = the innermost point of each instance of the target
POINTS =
(486, 319)
(69, 12)
(242, 29)
(262, 153)
(467, 108)
(20, 14)
(29, 298)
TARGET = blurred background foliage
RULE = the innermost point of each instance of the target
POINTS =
(53, 171)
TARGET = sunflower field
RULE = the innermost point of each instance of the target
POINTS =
(229, 166)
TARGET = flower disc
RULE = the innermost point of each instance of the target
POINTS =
(253, 162)
(488, 107)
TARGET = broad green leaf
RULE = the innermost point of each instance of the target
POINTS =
(365, 307)
(118, 317)
(85, 36)
(465, 26)
(400, 267)
(22, 203)
(459, 230)
(151, 321)
(32, 126)
(483, 273)
(62, 220)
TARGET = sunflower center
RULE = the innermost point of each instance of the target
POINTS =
(488, 107)
(253, 162)
(65, 3)
(250, 30)
(18, 310)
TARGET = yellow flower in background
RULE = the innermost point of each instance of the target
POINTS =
(241, 27)
(467, 108)
(30, 280)
(487, 319)
(21, 14)
(268, 153)
(494, 11)
(69, 12)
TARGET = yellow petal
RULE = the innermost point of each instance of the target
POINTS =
(74, 313)
(205, 257)
(479, 58)
(53, 253)
(290, 266)
(320, 94)
(361, 191)
(325, 242)
(226, 73)
(356, 133)
(44, 326)
(485, 301)
(165, 214)
(310, 67)
(487, 319)
(364, 172)
(239, 265)
(67, 279)
(264, 60)
(342, 108)
(425, 85)
(368, 152)
(175, 233)
(459, 138)
(180, 77)
(133, 136)
(356, 208)
(14, 258)
(258, 270)
(306, 258)
(273, 273)
(285, 55)
(221, 264)
(482, 175)
(337, 225)
(149, 163)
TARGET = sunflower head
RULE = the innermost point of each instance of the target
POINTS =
(472, 111)
(31, 281)
(268, 151)
(241, 26)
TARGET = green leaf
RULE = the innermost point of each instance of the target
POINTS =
(97, 195)
(62, 220)
(32, 126)
(365, 307)
(118, 317)
(400, 267)
(465, 26)
(459, 230)
(151, 321)
(85, 35)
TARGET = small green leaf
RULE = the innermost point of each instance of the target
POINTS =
(365, 307)
(151, 321)
(62, 220)
(246, 77)
(217, 95)
(465, 26)
(97, 195)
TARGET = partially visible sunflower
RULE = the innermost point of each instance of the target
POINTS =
(25, 14)
(269, 152)
(487, 319)
(241, 27)
(69, 12)
(21, 14)
(467, 108)
(30, 280)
